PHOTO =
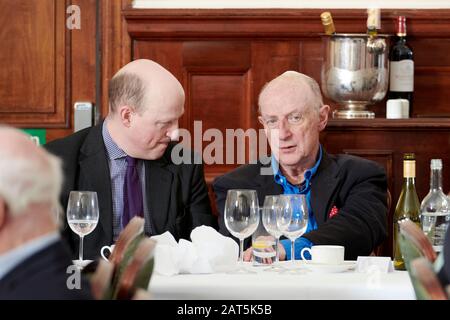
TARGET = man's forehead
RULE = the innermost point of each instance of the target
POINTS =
(283, 113)
(284, 107)
(285, 97)
(164, 113)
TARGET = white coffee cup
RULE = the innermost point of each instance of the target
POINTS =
(107, 248)
(325, 254)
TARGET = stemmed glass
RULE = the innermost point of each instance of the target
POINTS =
(292, 219)
(269, 219)
(241, 217)
(82, 215)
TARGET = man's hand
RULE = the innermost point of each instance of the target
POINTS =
(248, 254)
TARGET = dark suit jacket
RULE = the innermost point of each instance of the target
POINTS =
(356, 186)
(43, 276)
(177, 194)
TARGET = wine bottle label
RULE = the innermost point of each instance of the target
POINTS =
(402, 76)
(409, 169)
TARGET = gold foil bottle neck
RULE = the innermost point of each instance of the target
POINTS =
(409, 165)
(327, 22)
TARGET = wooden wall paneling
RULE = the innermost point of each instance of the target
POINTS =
(217, 74)
(115, 43)
(272, 58)
(167, 53)
(81, 64)
(34, 87)
(431, 97)
(47, 66)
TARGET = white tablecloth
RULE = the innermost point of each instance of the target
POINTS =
(265, 285)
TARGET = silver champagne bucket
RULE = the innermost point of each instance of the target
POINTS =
(354, 75)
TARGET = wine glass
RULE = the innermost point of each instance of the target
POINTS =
(269, 219)
(82, 215)
(292, 218)
(241, 217)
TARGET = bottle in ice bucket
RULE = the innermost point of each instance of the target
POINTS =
(264, 250)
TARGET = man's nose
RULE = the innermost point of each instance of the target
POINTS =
(173, 132)
(284, 130)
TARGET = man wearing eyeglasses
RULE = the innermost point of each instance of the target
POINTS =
(346, 195)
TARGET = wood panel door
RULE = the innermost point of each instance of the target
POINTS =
(48, 60)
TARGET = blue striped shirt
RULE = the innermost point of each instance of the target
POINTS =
(117, 169)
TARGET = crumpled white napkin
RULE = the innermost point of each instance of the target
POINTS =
(209, 252)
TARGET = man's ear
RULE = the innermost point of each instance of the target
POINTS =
(125, 113)
(2, 212)
(323, 116)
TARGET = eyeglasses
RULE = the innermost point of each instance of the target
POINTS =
(294, 119)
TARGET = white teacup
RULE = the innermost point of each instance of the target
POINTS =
(107, 248)
(325, 254)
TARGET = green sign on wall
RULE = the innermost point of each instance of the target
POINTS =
(38, 135)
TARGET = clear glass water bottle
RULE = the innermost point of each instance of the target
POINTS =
(435, 208)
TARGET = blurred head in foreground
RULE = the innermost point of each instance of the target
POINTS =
(30, 183)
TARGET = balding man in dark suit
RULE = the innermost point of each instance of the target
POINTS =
(145, 103)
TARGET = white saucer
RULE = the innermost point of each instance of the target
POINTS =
(329, 268)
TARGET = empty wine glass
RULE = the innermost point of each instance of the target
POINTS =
(82, 215)
(241, 217)
(269, 219)
(292, 219)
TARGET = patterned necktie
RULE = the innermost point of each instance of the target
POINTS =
(132, 193)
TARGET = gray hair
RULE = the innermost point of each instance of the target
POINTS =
(295, 78)
(126, 89)
(24, 181)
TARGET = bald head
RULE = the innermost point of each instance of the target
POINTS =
(292, 84)
(28, 174)
(142, 84)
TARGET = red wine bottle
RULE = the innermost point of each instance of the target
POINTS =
(401, 66)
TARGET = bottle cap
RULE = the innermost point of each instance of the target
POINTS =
(326, 17)
(436, 164)
(401, 26)
(327, 22)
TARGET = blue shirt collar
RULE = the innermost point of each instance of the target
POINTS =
(13, 258)
(112, 149)
(281, 179)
